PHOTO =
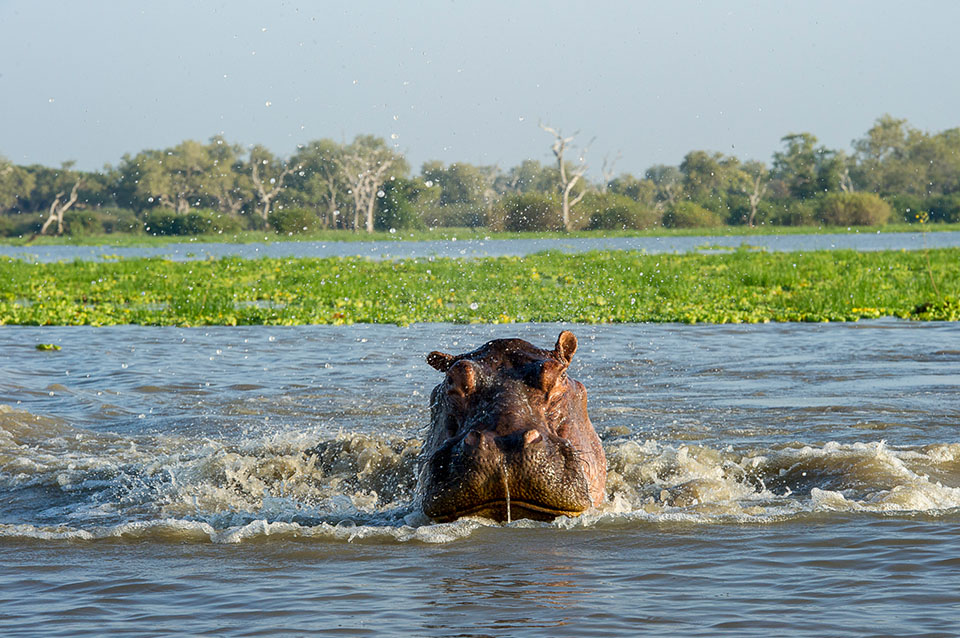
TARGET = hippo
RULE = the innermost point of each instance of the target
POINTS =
(509, 436)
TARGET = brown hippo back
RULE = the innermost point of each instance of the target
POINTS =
(509, 436)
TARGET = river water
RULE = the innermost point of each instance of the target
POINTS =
(474, 248)
(790, 478)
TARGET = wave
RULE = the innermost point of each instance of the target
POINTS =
(65, 483)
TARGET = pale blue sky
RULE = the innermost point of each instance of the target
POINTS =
(458, 81)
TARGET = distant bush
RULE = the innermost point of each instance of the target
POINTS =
(81, 222)
(196, 222)
(690, 215)
(120, 220)
(293, 220)
(794, 212)
(25, 224)
(205, 222)
(944, 208)
(526, 212)
(394, 209)
(98, 221)
(160, 222)
(905, 207)
(739, 211)
(610, 211)
(853, 209)
(455, 215)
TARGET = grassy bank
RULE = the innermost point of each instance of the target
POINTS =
(250, 236)
(594, 287)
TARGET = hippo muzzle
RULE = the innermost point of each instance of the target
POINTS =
(509, 436)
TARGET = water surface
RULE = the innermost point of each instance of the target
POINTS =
(791, 478)
(474, 248)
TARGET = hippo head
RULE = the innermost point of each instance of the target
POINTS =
(509, 436)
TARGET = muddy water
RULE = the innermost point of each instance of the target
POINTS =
(802, 479)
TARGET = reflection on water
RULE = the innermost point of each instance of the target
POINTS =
(259, 481)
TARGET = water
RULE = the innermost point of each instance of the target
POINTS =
(473, 248)
(800, 479)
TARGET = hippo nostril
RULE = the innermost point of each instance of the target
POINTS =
(531, 437)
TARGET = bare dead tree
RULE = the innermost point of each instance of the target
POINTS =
(607, 171)
(753, 183)
(846, 183)
(365, 172)
(759, 188)
(276, 185)
(59, 206)
(567, 180)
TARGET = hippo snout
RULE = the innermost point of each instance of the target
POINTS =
(522, 474)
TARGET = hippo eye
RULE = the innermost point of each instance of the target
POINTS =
(462, 379)
(550, 374)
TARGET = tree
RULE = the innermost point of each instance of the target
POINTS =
(459, 183)
(15, 183)
(796, 167)
(270, 183)
(226, 178)
(395, 210)
(753, 183)
(529, 177)
(173, 178)
(833, 172)
(607, 171)
(60, 202)
(569, 176)
(668, 181)
(319, 181)
(895, 158)
(367, 162)
(701, 174)
(639, 190)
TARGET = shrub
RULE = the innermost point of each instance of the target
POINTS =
(80, 222)
(525, 212)
(161, 222)
(906, 207)
(795, 212)
(120, 220)
(196, 222)
(690, 215)
(394, 209)
(8, 226)
(944, 208)
(853, 209)
(610, 211)
(293, 220)
(203, 222)
(456, 216)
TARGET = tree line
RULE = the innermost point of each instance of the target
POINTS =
(895, 173)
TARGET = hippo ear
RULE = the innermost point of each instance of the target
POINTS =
(440, 360)
(462, 378)
(566, 346)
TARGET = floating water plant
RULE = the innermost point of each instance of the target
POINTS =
(599, 287)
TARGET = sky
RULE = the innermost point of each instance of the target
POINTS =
(636, 83)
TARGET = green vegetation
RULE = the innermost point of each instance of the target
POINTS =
(220, 189)
(742, 286)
